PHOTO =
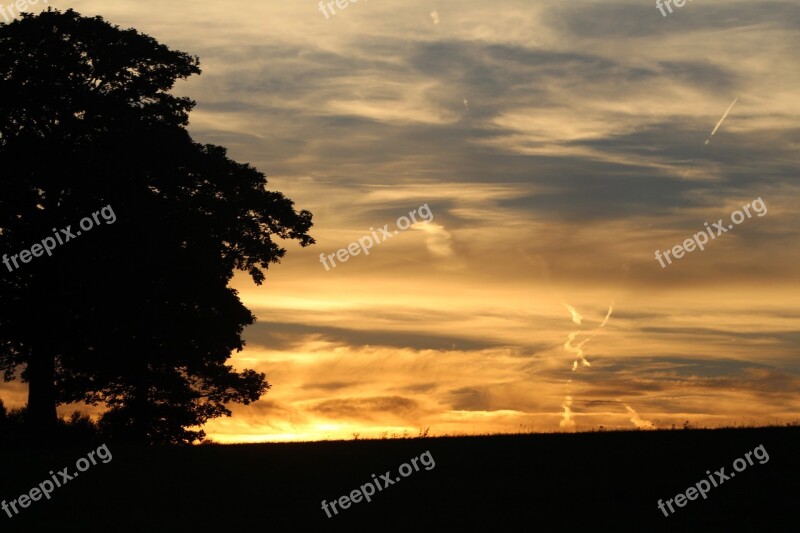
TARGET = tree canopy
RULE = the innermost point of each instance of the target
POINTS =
(135, 314)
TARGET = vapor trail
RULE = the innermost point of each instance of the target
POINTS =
(567, 422)
(577, 349)
(608, 315)
(637, 420)
(576, 317)
(722, 119)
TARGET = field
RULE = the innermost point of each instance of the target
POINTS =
(607, 481)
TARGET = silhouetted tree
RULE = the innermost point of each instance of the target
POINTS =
(136, 313)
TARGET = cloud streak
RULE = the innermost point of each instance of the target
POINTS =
(724, 116)
(552, 143)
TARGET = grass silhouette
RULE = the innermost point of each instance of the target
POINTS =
(609, 480)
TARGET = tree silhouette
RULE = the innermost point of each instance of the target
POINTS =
(136, 313)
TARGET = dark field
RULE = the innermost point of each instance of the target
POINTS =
(609, 481)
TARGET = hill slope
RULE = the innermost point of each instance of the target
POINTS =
(609, 481)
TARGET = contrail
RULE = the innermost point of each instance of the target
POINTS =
(578, 348)
(576, 317)
(568, 417)
(637, 420)
(722, 119)
(608, 315)
(567, 422)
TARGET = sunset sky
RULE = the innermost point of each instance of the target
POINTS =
(558, 145)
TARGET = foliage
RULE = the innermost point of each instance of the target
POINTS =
(137, 315)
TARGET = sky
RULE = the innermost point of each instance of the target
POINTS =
(553, 147)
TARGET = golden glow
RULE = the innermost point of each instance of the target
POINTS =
(556, 156)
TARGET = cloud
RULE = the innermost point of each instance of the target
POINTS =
(564, 175)
(382, 408)
(437, 239)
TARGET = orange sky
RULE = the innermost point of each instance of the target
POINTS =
(557, 145)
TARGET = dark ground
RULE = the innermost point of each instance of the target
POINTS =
(608, 481)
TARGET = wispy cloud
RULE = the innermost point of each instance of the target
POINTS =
(561, 129)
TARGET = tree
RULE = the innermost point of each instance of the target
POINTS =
(135, 313)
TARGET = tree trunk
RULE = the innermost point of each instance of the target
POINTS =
(41, 414)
